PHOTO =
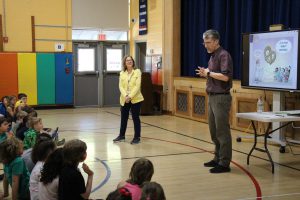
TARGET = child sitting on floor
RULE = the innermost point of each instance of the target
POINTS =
(48, 185)
(36, 127)
(141, 171)
(71, 182)
(15, 172)
(40, 152)
(153, 191)
(4, 126)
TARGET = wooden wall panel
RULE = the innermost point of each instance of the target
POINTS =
(180, 104)
(204, 114)
(1, 34)
(243, 100)
(47, 14)
(154, 36)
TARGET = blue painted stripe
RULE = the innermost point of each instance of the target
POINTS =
(108, 174)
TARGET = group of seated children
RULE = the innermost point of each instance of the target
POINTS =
(55, 174)
(24, 121)
(36, 169)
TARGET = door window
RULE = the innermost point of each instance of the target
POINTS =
(113, 60)
(86, 60)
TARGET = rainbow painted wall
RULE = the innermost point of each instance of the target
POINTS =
(47, 78)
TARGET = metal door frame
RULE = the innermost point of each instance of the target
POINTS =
(137, 53)
(110, 45)
(95, 45)
(100, 59)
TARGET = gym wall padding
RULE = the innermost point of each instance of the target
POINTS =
(27, 81)
(45, 78)
(64, 78)
(8, 74)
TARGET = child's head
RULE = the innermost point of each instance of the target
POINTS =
(35, 123)
(141, 171)
(28, 109)
(74, 152)
(42, 148)
(12, 100)
(153, 191)
(30, 115)
(4, 100)
(4, 125)
(21, 114)
(33, 113)
(22, 97)
(52, 166)
(119, 194)
(10, 149)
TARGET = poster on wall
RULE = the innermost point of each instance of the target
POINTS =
(143, 17)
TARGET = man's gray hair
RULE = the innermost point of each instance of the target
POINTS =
(213, 34)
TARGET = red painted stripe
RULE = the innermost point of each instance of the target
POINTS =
(254, 181)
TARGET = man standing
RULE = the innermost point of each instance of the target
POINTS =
(219, 82)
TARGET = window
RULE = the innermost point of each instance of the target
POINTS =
(86, 34)
(86, 60)
(113, 60)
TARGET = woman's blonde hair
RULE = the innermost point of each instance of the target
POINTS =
(124, 62)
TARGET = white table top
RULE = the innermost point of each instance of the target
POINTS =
(280, 116)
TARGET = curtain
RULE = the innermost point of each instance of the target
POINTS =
(231, 18)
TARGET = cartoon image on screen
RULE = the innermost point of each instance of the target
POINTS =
(273, 59)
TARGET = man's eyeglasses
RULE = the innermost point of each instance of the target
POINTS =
(206, 43)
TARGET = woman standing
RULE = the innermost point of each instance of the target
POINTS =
(131, 98)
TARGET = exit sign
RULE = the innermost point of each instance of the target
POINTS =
(101, 37)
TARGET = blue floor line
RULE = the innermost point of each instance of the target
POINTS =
(108, 174)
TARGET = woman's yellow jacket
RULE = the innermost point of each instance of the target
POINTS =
(134, 84)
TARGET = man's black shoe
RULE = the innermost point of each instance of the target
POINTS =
(211, 163)
(135, 141)
(119, 139)
(219, 169)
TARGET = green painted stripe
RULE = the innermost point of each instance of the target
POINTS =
(45, 78)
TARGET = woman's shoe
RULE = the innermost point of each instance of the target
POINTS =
(119, 139)
(135, 141)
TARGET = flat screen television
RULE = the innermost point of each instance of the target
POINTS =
(270, 60)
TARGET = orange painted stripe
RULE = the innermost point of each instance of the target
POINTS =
(8, 74)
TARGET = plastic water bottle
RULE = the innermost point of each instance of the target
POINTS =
(260, 105)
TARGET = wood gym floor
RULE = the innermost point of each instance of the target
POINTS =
(178, 148)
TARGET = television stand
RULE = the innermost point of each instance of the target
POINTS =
(278, 105)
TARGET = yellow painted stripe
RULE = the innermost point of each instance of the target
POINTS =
(27, 79)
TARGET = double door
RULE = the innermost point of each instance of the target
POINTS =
(96, 70)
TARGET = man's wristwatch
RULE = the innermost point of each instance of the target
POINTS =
(208, 74)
